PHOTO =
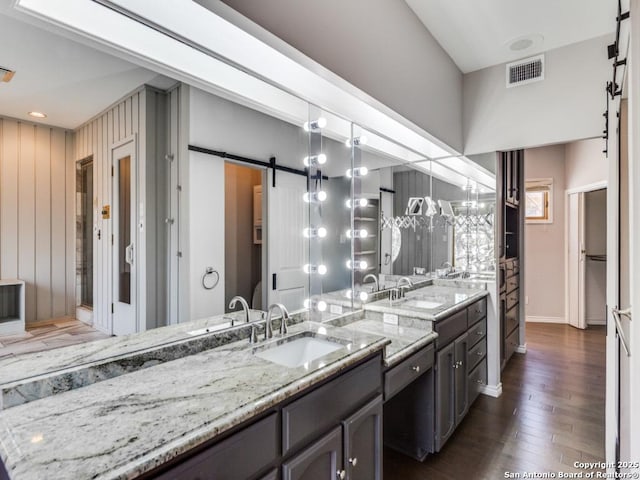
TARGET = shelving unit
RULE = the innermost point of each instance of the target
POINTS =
(12, 311)
(368, 248)
(510, 224)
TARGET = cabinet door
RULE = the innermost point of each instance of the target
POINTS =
(321, 461)
(461, 373)
(363, 442)
(445, 394)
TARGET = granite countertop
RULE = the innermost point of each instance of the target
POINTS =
(20, 367)
(122, 427)
(432, 303)
(409, 336)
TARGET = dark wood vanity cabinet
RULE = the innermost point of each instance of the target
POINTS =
(332, 431)
(460, 368)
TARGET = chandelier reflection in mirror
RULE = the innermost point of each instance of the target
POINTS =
(472, 221)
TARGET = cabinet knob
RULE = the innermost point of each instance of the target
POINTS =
(341, 474)
(479, 333)
(480, 382)
(416, 368)
(353, 461)
(480, 354)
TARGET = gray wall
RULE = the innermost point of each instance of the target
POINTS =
(566, 106)
(37, 240)
(379, 46)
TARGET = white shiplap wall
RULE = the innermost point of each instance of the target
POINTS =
(37, 243)
(95, 138)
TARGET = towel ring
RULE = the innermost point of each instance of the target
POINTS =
(210, 279)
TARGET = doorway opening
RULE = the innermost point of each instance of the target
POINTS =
(586, 258)
(84, 233)
(244, 227)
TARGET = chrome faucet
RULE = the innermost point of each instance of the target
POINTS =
(268, 330)
(402, 287)
(375, 280)
(447, 265)
(243, 302)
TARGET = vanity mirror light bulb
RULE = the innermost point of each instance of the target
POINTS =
(319, 305)
(357, 172)
(315, 160)
(359, 264)
(357, 141)
(357, 233)
(363, 296)
(319, 269)
(319, 196)
(359, 202)
(315, 124)
(319, 232)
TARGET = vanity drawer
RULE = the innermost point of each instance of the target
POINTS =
(448, 329)
(512, 299)
(477, 333)
(477, 379)
(406, 372)
(476, 311)
(513, 283)
(511, 320)
(511, 343)
(477, 353)
(310, 416)
(242, 455)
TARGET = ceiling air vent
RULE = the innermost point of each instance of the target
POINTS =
(6, 75)
(525, 71)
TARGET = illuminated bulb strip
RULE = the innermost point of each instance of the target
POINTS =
(358, 265)
(315, 124)
(357, 233)
(359, 202)
(319, 232)
(362, 296)
(315, 197)
(319, 269)
(315, 160)
(357, 141)
(357, 172)
(315, 304)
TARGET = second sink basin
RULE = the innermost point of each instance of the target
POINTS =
(298, 350)
(421, 303)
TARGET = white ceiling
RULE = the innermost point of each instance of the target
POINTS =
(477, 34)
(68, 81)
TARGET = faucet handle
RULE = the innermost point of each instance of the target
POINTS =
(253, 336)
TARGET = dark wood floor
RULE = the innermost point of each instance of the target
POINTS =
(550, 415)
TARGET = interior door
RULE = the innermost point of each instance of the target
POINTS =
(286, 249)
(576, 262)
(124, 248)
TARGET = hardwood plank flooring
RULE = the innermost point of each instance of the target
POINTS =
(55, 333)
(550, 415)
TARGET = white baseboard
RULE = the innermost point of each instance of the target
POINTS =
(84, 315)
(596, 321)
(521, 348)
(545, 319)
(492, 390)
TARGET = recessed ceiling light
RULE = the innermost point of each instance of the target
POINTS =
(526, 42)
(38, 114)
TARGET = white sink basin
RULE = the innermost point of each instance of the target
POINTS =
(422, 304)
(212, 328)
(296, 353)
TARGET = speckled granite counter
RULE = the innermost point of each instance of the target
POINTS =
(406, 338)
(432, 303)
(124, 426)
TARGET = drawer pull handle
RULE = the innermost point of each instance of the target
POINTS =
(341, 474)
(353, 461)
(416, 368)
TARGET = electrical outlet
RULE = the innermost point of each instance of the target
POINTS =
(526, 300)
